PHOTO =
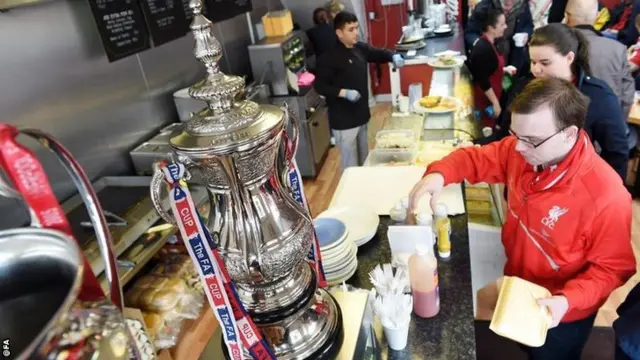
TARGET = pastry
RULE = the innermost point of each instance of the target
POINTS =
(430, 101)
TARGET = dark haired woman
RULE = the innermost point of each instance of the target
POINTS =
(487, 66)
(556, 50)
(322, 35)
(519, 20)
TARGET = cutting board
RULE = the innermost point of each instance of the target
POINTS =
(381, 187)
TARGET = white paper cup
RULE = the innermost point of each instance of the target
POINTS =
(403, 104)
(397, 338)
(520, 39)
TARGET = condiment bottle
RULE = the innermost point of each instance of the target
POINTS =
(442, 227)
(398, 214)
(423, 277)
(425, 219)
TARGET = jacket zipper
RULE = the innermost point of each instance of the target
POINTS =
(535, 242)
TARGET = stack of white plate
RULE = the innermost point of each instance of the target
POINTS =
(339, 258)
(362, 223)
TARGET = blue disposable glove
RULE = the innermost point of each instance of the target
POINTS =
(352, 95)
(398, 61)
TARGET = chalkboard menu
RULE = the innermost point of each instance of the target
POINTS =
(165, 19)
(121, 26)
(226, 9)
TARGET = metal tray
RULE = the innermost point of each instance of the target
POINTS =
(146, 154)
(171, 128)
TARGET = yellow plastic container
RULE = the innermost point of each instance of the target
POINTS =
(277, 23)
(518, 316)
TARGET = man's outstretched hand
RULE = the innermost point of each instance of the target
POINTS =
(431, 184)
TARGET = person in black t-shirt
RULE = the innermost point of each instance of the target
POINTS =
(322, 35)
(487, 65)
(341, 77)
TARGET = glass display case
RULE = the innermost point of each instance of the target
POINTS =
(485, 204)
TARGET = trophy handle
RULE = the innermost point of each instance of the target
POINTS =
(289, 146)
(157, 184)
(94, 209)
(292, 143)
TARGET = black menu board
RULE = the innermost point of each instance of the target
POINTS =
(226, 9)
(121, 26)
(165, 19)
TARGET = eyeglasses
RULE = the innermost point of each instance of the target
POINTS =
(532, 145)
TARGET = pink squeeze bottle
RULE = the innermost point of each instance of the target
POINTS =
(423, 276)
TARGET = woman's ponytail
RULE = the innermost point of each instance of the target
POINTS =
(582, 54)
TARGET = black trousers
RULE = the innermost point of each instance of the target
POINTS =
(564, 342)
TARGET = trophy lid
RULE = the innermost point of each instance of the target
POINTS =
(229, 121)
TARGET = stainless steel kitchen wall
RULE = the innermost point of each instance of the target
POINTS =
(54, 76)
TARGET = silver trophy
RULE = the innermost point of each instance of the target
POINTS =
(234, 148)
(41, 272)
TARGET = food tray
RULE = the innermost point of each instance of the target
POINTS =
(160, 139)
(171, 128)
(413, 122)
(396, 140)
(145, 155)
(390, 157)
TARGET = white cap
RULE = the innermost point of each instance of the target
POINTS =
(444, 255)
(441, 210)
(424, 219)
(422, 249)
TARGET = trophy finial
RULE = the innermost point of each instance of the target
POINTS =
(218, 90)
(196, 6)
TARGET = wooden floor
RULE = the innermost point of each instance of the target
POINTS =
(320, 190)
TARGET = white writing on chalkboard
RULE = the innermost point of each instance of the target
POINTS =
(117, 15)
(165, 19)
(122, 28)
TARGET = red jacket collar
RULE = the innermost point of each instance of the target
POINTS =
(562, 173)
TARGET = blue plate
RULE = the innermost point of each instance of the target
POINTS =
(330, 232)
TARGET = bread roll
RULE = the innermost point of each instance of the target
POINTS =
(164, 300)
(175, 284)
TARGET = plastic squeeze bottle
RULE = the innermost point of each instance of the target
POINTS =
(423, 276)
(442, 228)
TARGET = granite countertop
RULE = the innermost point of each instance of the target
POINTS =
(449, 335)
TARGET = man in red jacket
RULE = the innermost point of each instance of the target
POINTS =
(568, 224)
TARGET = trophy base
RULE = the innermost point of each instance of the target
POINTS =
(315, 332)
